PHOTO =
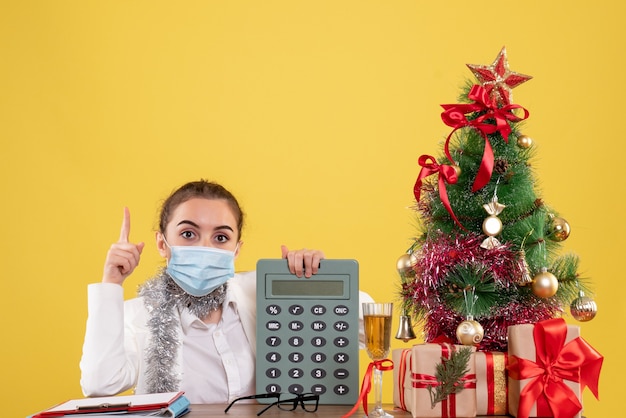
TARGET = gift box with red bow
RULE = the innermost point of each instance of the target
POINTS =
(402, 378)
(491, 383)
(549, 366)
(424, 383)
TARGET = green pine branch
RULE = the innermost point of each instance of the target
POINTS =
(464, 283)
(449, 374)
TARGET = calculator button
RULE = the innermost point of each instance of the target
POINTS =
(273, 325)
(318, 310)
(273, 341)
(318, 326)
(341, 357)
(272, 373)
(341, 310)
(296, 309)
(318, 357)
(273, 388)
(318, 389)
(318, 373)
(296, 357)
(296, 325)
(341, 373)
(296, 389)
(296, 373)
(296, 341)
(341, 326)
(272, 309)
(318, 342)
(340, 342)
(341, 389)
(272, 357)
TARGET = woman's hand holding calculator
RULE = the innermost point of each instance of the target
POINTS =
(302, 262)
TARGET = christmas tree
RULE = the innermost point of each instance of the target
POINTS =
(487, 253)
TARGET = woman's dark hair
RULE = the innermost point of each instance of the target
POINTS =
(199, 189)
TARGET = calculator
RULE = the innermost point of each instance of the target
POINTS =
(308, 330)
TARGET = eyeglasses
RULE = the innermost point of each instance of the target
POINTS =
(308, 401)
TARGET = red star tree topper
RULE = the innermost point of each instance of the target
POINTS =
(498, 79)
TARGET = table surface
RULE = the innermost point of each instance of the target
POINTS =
(250, 411)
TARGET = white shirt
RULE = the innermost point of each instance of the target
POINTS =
(207, 345)
(117, 337)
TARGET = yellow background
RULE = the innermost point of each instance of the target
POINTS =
(313, 113)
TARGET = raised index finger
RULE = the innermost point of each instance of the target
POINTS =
(125, 232)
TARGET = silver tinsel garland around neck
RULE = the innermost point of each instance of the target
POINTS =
(164, 300)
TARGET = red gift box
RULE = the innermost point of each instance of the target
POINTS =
(491, 383)
(424, 358)
(549, 366)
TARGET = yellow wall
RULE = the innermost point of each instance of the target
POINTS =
(313, 112)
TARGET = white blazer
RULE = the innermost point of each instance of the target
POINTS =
(117, 335)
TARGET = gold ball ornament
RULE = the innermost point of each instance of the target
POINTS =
(545, 284)
(559, 229)
(405, 263)
(457, 170)
(469, 332)
(583, 308)
(524, 141)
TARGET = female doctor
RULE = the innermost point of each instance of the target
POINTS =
(192, 326)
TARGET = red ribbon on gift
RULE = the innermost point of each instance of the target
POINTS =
(366, 386)
(491, 383)
(404, 365)
(424, 381)
(447, 174)
(576, 361)
(456, 116)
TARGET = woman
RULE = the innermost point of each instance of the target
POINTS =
(192, 328)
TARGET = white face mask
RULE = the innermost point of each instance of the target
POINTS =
(200, 270)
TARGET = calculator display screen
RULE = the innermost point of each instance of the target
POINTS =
(328, 288)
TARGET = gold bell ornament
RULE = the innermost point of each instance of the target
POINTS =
(525, 278)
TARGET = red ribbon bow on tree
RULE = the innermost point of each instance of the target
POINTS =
(366, 386)
(576, 361)
(447, 174)
(455, 115)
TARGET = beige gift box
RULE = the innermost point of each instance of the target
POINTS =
(424, 358)
(522, 344)
(402, 387)
(491, 383)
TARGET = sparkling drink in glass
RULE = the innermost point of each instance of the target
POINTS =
(377, 323)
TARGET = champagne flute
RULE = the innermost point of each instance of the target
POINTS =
(377, 323)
